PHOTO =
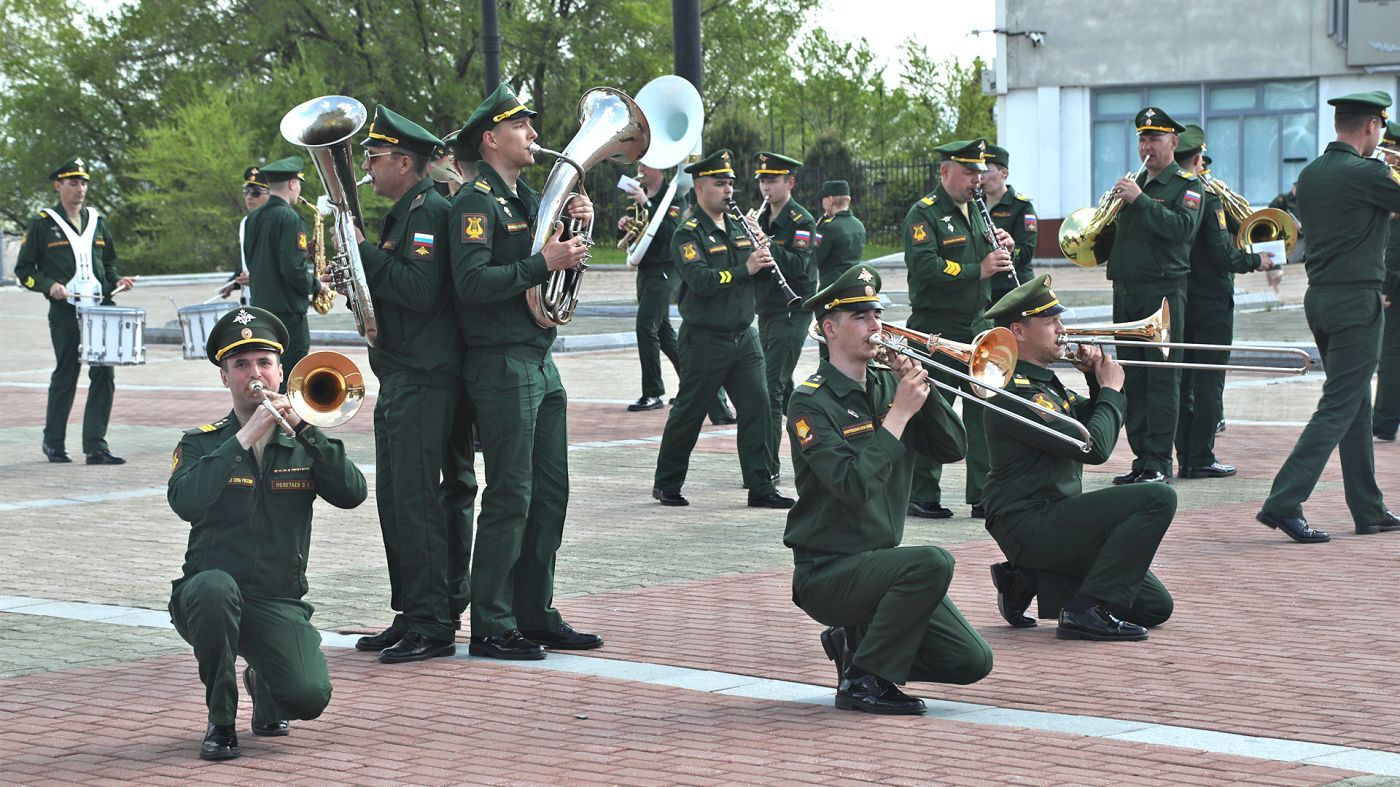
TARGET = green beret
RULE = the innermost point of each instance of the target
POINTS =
(1391, 137)
(245, 328)
(1192, 141)
(1372, 103)
(765, 163)
(501, 105)
(72, 168)
(283, 169)
(836, 188)
(998, 155)
(1032, 299)
(1155, 120)
(856, 290)
(972, 152)
(252, 176)
(390, 129)
(719, 164)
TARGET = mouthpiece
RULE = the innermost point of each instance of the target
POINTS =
(255, 387)
(362, 181)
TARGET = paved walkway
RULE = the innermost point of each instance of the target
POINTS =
(1278, 667)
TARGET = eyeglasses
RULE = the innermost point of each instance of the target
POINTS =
(369, 155)
(253, 191)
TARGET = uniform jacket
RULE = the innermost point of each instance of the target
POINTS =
(716, 289)
(791, 236)
(274, 243)
(1215, 259)
(658, 254)
(1392, 262)
(1344, 204)
(1015, 214)
(943, 252)
(840, 243)
(255, 522)
(1153, 236)
(45, 257)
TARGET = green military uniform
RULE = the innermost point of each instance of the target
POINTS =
(46, 257)
(1149, 261)
(943, 252)
(1099, 543)
(839, 242)
(853, 480)
(1015, 214)
(274, 245)
(245, 567)
(514, 388)
(782, 330)
(418, 360)
(252, 177)
(656, 287)
(1386, 417)
(1346, 202)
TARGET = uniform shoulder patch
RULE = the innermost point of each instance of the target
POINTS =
(473, 227)
(802, 430)
(689, 251)
(674, 211)
(482, 186)
(919, 232)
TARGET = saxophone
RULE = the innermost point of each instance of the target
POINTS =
(323, 300)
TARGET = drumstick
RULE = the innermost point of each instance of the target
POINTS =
(123, 287)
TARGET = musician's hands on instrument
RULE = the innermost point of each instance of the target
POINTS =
(996, 263)
(227, 289)
(241, 279)
(1084, 357)
(1108, 372)
(638, 196)
(760, 237)
(759, 260)
(124, 283)
(262, 420)
(909, 396)
(624, 223)
(359, 235)
(564, 255)
(1005, 240)
(1266, 261)
(1128, 189)
(1385, 301)
(58, 292)
(581, 208)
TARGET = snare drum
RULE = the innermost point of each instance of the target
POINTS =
(112, 335)
(195, 324)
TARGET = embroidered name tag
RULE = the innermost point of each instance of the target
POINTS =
(859, 427)
(742, 243)
(717, 248)
(293, 485)
(516, 227)
(240, 480)
(953, 240)
(291, 470)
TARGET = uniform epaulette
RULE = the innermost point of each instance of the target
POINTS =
(219, 424)
(1188, 175)
(417, 201)
(879, 365)
(929, 200)
(810, 385)
(692, 224)
(1022, 197)
(795, 215)
(482, 186)
(1020, 380)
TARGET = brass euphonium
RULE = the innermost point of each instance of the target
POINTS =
(1252, 226)
(1087, 228)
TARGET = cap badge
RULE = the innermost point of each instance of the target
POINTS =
(243, 318)
(246, 333)
(79, 163)
(869, 290)
(1150, 113)
(982, 145)
(865, 275)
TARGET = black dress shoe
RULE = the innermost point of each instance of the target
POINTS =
(220, 743)
(1127, 478)
(1220, 427)
(1388, 523)
(104, 457)
(510, 645)
(564, 638)
(979, 511)
(669, 498)
(267, 729)
(56, 455)
(1147, 477)
(387, 638)
(1097, 624)
(1015, 590)
(725, 420)
(1381, 434)
(771, 499)
(874, 694)
(1212, 470)
(416, 647)
(1295, 527)
(928, 510)
(839, 642)
(646, 403)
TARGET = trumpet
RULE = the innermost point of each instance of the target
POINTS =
(637, 219)
(1083, 229)
(732, 208)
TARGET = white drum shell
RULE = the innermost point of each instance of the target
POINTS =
(195, 324)
(112, 335)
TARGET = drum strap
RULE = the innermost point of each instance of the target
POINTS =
(84, 284)
(245, 295)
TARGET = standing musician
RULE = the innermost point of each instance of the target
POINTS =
(48, 260)
(255, 195)
(418, 361)
(856, 426)
(1086, 554)
(1209, 319)
(1011, 211)
(782, 330)
(247, 489)
(274, 244)
(840, 238)
(1387, 415)
(718, 345)
(1345, 198)
(950, 261)
(1150, 260)
(513, 384)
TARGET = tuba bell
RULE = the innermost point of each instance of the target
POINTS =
(324, 127)
(676, 116)
(611, 126)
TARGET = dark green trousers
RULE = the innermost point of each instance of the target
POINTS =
(459, 499)
(412, 422)
(298, 343)
(928, 475)
(710, 359)
(522, 418)
(1346, 324)
(782, 337)
(1153, 394)
(1102, 541)
(1387, 413)
(656, 289)
(275, 637)
(909, 628)
(1202, 403)
(63, 385)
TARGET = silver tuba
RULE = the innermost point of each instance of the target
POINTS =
(324, 127)
(611, 126)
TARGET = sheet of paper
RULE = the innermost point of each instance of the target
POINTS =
(1274, 247)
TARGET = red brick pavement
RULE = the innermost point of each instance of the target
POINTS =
(451, 722)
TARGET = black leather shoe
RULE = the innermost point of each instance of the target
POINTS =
(387, 638)
(269, 729)
(771, 499)
(104, 457)
(1097, 624)
(564, 638)
(1220, 427)
(56, 455)
(1212, 470)
(669, 498)
(725, 420)
(1295, 527)
(929, 510)
(1148, 477)
(1127, 478)
(646, 403)
(510, 645)
(979, 511)
(220, 743)
(416, 647)
(1381, 434)
(874, 694)
(839, 644)
(1388, 523)
(1015, 590)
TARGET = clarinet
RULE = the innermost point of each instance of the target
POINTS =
(979, 197)
(732, 210)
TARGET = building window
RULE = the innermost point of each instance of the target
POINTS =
(1115, 136)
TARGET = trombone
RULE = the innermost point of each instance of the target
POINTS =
(990, 361)
(1155, 331)
(325, 389)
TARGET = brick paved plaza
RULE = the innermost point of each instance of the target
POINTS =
(1280, 665)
